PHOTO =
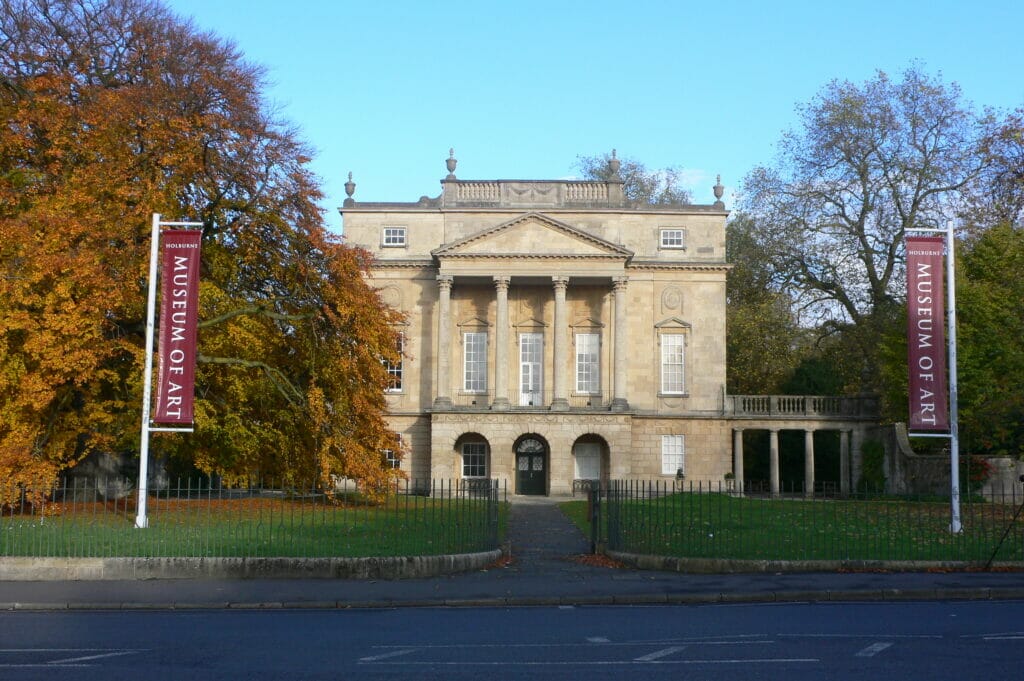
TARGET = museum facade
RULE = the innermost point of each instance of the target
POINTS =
(556, 335)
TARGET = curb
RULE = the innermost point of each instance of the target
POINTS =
(18, 569)
(869, 595)
(726, 566)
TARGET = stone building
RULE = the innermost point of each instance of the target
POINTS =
(555, 333)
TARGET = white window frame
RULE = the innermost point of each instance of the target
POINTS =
(391, 458)
(673, 368)
(394, 236)
(474, 362)
(672, 238)
(588, 373)
(531, 368)
(396, 371)
(588, 452)
(474, 460)
(673, 454)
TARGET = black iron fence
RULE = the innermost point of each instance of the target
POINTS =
(692, 519)
(80, 517)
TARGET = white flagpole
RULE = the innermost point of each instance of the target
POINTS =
(955, 525)
(141, 520)
(954, 426)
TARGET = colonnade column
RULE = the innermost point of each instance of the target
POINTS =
(856, 456)
(620, 401)
(737, 459)
(844, 462)
(561, 353)
(808, 463)
(444, 321)
(773, 461)
(501, 365)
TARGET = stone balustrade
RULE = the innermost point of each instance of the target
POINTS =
(796, 406)
(532, 194)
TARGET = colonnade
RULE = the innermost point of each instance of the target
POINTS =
(845, 470)
(560, 343)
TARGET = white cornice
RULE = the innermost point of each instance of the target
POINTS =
(691, 266)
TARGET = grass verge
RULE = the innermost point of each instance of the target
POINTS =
(254, 527)
(695, 525)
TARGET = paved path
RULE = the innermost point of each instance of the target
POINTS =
(542, 538)
(541, 573)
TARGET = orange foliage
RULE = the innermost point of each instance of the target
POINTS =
(129, 111)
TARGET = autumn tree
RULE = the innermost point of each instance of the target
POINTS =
(113, 109)
(997, 195)
(764, 340)
(869, 162)
(640, 185)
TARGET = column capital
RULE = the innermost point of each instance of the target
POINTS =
(445, 280)
(560, 282)
(619, 283)
(501, 280)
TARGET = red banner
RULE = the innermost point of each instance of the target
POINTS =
(179, 303)
(926, 337)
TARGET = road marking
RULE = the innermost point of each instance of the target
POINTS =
(87, 658)
(658, 654)
(41, 665)
(873, 649)
(77, 661)
(995, 635)
(702, 639)
(597, 663)
(52, 650)
(859, 635)
(1005, 637)
(590, 642)
(384, 656)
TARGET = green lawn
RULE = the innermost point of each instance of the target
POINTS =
(724, 526)
(257, 527)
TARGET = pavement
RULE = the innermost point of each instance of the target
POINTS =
(548, 565)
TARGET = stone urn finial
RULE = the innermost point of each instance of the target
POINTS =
(614, 164)
(350, 189)
(719, 191)
(451, 163)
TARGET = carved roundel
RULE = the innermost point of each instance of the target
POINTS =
(671, 299)
(391, 296)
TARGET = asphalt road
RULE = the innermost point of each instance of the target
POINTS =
(932, 641)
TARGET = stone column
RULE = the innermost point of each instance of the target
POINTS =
(442, 399)
(561, 349)
(501, 402)
(808, 463)
(619, 350)
(856, 461)
(737, 459)
(844, 463)
(773, 461)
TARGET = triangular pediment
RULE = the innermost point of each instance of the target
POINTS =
(530, 323)
(474, 323)
(533, 235)
(672, 323)
(587, 323)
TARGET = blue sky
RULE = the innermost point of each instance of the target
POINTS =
(520, 89)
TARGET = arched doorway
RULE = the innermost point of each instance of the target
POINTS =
(590, 460)
(531, 465)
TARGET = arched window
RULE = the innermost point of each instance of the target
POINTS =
(474, 459)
